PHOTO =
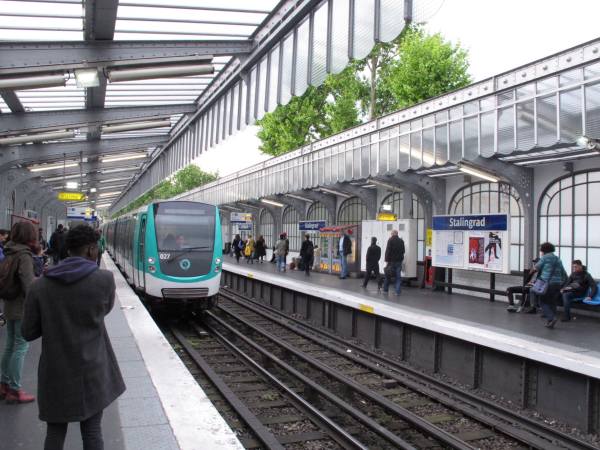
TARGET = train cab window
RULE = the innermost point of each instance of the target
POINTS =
(184, 226)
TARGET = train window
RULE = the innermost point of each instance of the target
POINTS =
(184, 225)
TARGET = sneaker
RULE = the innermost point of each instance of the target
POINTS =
(17, 397)
(551, 323)
(3, 390)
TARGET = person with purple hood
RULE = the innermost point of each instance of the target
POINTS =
(78, 375)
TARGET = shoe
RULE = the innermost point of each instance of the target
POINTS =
(551, 323)
(520, 309)
(20, 396)
(511, 308)
(565, 319)
(3, 390)
(530, 311)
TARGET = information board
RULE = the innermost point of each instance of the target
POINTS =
(240, 217)
(472, 242)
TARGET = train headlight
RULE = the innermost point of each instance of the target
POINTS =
(151, 269)
(218, 261)
(150, 260)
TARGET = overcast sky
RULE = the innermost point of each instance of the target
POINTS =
(499, 35)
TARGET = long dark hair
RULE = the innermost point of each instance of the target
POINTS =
(25, 233)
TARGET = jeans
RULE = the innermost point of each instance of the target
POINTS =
(395, 268)
(14, 355)
(281, 263)
(344, 263)
(91, 434)
(567, 299)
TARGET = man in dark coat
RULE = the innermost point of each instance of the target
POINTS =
(307, 252)
(345, 249)
(373, 257)
(580, 284)
(57, 244)
(394, 255)
(78, 375)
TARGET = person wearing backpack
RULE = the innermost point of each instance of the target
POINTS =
(16, 277)
(307, 252)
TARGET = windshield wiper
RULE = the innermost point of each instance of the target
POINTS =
(186, 250)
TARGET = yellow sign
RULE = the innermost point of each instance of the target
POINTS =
(71, 196)
(428, 237)
(387, 216)
(366, 308)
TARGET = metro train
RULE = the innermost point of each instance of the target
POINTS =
(170, 252)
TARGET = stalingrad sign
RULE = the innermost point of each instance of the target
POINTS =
(71, 196)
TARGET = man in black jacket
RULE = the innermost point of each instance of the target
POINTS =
(57, 244)
(373, 257)
(345, 249)
(394, 255)
(577, 286)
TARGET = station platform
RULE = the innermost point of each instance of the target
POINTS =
(163, 407)
(573, 346)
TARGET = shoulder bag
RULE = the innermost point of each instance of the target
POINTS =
(540, 287)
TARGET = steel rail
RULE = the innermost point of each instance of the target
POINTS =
(340, 435)
(429, 429)
(427, 384)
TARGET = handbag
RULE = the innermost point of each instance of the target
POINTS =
(540, 287)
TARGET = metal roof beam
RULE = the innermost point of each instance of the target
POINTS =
(25, 122)
(12, 101)
(19, 57)
(44, 153)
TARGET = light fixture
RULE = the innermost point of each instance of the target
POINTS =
(330, 191)
(109, 194)
(114, 186)
(111, 180)
(103, 205)
(124, 169)
(72, 185)
(386, 208)
(107, 129)
(92, 190)
(297, 197)
(384, 184)
(43, 167)
(37, 137)
(65, 177)
(477, 173)
(33, 82)
(147, 73)
(108, 159)
(87, 78)
(271, 202)
(588, 143)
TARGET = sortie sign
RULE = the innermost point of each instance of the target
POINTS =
(71, 196)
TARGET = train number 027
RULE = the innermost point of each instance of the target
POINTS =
(164, 256)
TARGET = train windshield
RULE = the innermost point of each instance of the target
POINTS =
(184, 226)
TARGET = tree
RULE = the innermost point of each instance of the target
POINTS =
(426, 66)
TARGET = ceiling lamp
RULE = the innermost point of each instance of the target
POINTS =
(107, 129)
(33, 82)
(72, 185)
(43, 167)
(109, 194)
(108, 159)
(477, 173)
(147, 73)
(87, 78)
(92, 190)
(103, 205)
(588, 143)
(271, 202)
(37, 137)
(331, 191)
(64, 177)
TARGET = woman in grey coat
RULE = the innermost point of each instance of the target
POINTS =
(78, 375)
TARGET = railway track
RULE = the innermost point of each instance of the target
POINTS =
(421, 410)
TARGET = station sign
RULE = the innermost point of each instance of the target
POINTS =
(71, 196)
(240, 217)
(247, 226)
(311, 225)
(81, 213)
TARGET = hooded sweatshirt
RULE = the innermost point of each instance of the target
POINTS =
(71, 270)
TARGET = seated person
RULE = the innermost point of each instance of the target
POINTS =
(579, 284)
(528, 302)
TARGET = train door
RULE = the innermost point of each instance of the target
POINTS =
(142, 254)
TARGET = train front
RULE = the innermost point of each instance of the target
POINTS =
(185, 253)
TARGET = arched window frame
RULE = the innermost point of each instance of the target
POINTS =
(492, 194)
(395, 199)
(568, 219)
(290, 218)
(352, 210)
(267, 224)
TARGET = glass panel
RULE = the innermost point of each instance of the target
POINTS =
(571, 119)
(566, 255)
(505, 98)
(592, 71)
(383, 154)
(471, 138)
(593, 236)
(273, 78)
(581, 253)
(525, 125)
(570, 77)
(415, 150)
(566, 206)
(580, 230)
(506, 130)
(525, 91)
(339, 35)
(546, 120)
(514, 257)
(594, 193)
(441, 144)
(593, 261)
(428, 159)
(487, 134)
(544, 229)
(581, 199)
(302, 58)
(592, 110)
(470, 108)
(403, 152)
(553, 206)
(287, 67)
(566, 231)
(455, 141)
(553, 230)
(364, 27)
(390, 23)
(546, 85)
(262, 88)
(319, 53)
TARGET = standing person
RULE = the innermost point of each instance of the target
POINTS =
(78, 374)
(238, 245)
(260, 249)
(373, 257)
(18, 266)
(280, 251)
(307, 253)
(57, 244)
(551, 272)
(3, 239)
(345, 249)
(249, 250)
(577, 286)
(394, 255)
(287, 250)
(101, 246)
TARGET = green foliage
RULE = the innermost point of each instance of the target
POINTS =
(395, 75)
(186, 179)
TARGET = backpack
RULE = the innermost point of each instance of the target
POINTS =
(241, 245)
(10, 287)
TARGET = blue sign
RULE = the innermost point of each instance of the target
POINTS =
(311, 225)
(482, 222)
(245, 226)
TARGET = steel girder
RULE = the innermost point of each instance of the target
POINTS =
(26, 122)
(12, 101)
(40, 153)
(87, 168)
(19, 57)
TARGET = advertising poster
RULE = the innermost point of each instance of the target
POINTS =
(472, 242)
